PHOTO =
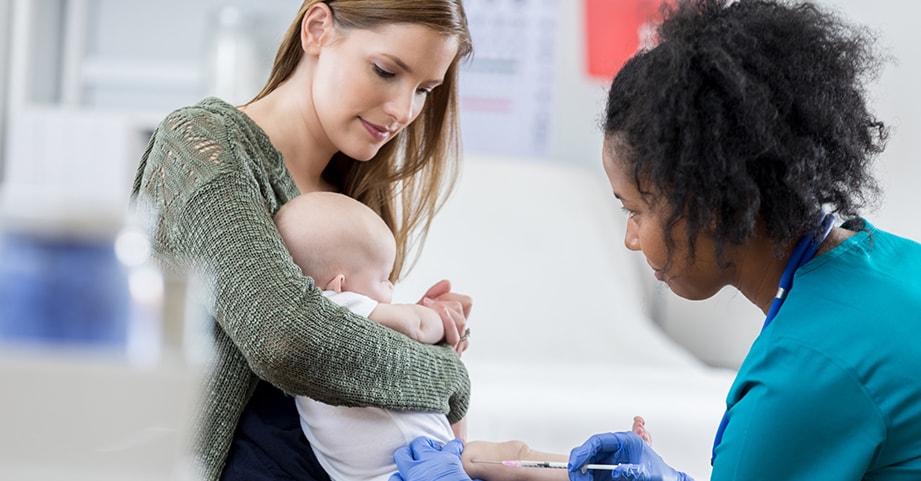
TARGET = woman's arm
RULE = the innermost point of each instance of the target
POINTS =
(289, 333)
(215, 216)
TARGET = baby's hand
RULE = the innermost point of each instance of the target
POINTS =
(639, 427)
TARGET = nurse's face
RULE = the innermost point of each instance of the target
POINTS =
(368, 85)
(695, 279)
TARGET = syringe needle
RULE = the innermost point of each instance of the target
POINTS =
(522, 463)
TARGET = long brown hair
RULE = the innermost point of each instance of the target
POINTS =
(411, 176)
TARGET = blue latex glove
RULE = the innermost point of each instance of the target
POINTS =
(637, 460)
(427, 460)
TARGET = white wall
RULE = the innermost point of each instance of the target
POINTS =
(579, 98)
(898, 102)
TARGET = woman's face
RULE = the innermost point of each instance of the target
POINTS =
(695, 279)
(368, 85)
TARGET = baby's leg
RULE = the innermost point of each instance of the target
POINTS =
(509, 450)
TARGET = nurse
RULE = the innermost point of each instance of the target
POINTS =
(740, 147)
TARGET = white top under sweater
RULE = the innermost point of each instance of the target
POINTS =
(357, 444)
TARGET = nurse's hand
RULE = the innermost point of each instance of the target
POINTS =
(636, 459)
(454, 309)
(427, 460)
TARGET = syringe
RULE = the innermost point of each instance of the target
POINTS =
(524, 463)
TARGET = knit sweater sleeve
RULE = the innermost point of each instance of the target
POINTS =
(214, 215)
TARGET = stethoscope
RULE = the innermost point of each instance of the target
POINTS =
(804, 252)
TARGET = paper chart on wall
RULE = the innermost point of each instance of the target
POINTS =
(506, 89)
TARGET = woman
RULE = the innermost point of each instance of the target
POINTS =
(731, 144)
(362, 100)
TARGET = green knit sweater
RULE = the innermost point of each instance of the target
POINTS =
(213, 181)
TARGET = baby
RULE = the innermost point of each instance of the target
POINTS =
(349, 252)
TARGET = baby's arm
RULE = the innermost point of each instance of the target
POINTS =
(517, 450)
(460, 429)
(416, 321)
(509, 450)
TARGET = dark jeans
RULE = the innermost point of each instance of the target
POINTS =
(269, 444)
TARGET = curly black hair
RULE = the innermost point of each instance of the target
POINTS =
(748, 115)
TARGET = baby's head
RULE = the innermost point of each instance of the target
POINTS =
(339, 242)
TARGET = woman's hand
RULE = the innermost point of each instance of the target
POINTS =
(454, 310)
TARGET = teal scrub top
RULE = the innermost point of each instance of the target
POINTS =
(831, 389)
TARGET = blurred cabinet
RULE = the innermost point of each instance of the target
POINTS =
(126, 55)
(82, 84)
(5, 26)
(88, 80)
(91, 418)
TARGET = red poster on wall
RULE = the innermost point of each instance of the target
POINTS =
(615, 30)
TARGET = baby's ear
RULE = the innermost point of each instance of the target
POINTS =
(336, 284)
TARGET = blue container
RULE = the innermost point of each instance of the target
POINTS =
(62, 290)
